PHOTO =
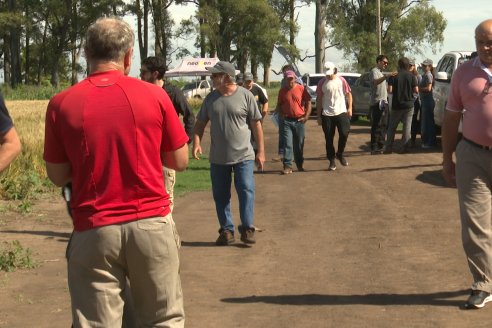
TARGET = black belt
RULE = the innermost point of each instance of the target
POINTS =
(477, 145)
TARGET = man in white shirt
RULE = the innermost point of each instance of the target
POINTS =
(334, 108)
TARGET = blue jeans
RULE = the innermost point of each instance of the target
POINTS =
(293, 138)
(221, 176)
(428, 128)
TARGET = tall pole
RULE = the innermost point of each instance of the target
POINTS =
(378, 25)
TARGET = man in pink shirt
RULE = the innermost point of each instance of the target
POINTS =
(470, 98)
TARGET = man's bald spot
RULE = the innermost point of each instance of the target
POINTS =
(484, 27)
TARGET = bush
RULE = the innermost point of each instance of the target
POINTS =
(30, 92)
(14, 256)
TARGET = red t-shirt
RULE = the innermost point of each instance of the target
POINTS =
(292, 101)
(111, 129)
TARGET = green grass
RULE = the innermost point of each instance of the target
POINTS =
(30, 92)
(14, 256)
(195, 178)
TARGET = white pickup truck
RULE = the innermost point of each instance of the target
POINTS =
(445, 69)
(198, 89)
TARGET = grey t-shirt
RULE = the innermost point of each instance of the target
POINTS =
(379, 92)
(229, 133)
(426, 80)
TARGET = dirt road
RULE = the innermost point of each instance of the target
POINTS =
(374, 244)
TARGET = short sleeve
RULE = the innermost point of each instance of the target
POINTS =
(5, 120)
(54, 150)
(345, 85)
(305, 94)
(455, 103)
(173, 133)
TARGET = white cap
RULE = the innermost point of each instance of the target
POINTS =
(330, 68)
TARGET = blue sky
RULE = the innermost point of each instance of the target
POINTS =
(462, 19)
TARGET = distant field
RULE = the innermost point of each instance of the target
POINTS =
(25, 180)
(26, 177)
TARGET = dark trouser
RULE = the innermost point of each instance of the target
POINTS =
(342, 123)
(415, 120)
(427, 118)
(281, 145)
(379, 124)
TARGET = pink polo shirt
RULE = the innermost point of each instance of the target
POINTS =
(466, 95)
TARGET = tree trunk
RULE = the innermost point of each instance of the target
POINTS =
(292, 30)
(142, 31)
(43, 52)
(73, 44)
(254, 67)
(158, 27)
(27, 47)
(319, 35)
(15, 61)
(6, 60)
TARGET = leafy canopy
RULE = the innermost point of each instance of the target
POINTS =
(407, 27)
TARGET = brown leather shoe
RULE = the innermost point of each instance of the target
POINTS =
(248, 236)
(226, 238)
(287, 170)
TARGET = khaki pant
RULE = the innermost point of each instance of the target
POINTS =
(100, 260)
(474, 181)
(169, 181)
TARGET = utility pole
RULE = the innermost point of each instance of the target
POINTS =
(378, 25)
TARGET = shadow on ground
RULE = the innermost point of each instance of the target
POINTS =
(432, 177)
(435, 299)
(51, 234)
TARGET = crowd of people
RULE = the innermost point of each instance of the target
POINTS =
(122, 174)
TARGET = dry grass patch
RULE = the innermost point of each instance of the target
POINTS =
(26, 177)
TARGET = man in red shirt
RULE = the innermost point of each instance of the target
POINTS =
(294, 105)
(110, 135)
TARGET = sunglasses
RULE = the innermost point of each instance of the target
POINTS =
(385, 62)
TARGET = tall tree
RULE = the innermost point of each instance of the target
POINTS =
(408, 27)
(141, 9)
(241, 30)
(320, 34)
(11, 22)
(286, 12)
(163, 27)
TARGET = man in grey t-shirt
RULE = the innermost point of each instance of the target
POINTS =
(378, 104)
(229, 109)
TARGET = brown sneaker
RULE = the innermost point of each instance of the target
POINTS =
(287, 170)
(248, 236)
(226, 237)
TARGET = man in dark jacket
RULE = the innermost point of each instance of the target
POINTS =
(152, 71)
(402, 86)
